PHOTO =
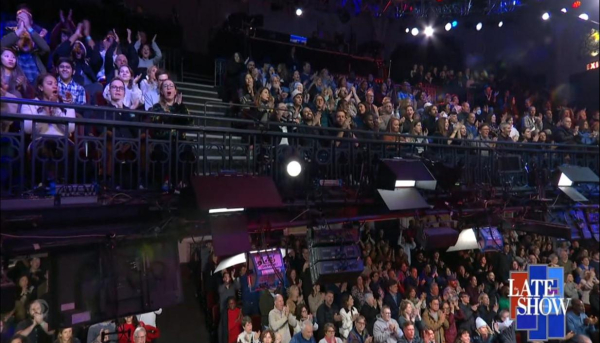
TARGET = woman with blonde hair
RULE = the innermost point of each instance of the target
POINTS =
(294, 298)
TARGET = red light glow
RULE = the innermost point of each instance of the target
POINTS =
(576, 4)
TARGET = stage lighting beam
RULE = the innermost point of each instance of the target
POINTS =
(500, 24)
(545, 16)
(298, 12)
(479, 26)
(415, 31)
(584, 16)
(448, 27)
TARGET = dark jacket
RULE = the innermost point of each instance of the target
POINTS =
(486, 314)
(109, 65)
(394, 303)
(325, 315)
(355, 337)
(465, 318)
(266, 303)
(370, 314)
(565, 136)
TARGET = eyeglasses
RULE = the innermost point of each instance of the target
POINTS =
(117, 88)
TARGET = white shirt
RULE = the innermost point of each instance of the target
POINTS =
(347, 321)
(247, 337)
(48, 128)
(131, 95)
(149, 318)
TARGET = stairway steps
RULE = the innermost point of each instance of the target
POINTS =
(201, 80)
(194, 84)
(198, 91)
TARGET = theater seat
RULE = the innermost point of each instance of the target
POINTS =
(100, 101)
(215, 316)
(256, 322)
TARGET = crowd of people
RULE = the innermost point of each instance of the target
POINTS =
(428, 106)
(69, 66)
(405, 294)
(28, 320)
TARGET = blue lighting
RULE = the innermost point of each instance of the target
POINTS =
(454, 23)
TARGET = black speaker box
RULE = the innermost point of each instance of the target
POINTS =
(319, 254)
(104, 282)
(336, 271)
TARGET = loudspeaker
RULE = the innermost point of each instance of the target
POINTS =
(336, 271)
(332, 237)
(104, 282)
(437, 238)
(230, 234)
(8, 293)
(344, 252)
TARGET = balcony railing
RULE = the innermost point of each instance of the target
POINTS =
(141, 154)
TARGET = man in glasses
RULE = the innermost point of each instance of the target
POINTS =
(359, 333)
(386, 329)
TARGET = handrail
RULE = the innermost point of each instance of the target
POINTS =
(148, 153)
(254, 122)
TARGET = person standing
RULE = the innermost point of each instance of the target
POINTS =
(386, 329)
(280, 319)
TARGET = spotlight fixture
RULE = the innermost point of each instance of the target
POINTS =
(414, 31)
(571, 176)
(429, 31)
(564, 10)
(455, 23)
(546, 16)
(584, 16)
(448, 27)
(407, 30)
(294, 168)
(298, 12)
(479, 26)
(500, 24)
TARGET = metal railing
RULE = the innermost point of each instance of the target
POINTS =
(143, 152)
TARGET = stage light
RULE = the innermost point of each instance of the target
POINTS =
(429, 31)
(500, 24)
(479, 26)
(454, 23)
(414, 31)
(448, 27)
(224, 210)
(407, 30)
(564, 10)
(584, 16)
(294, 168)
(546, 16)
(576, 4)
(573, 176)
(298, 12)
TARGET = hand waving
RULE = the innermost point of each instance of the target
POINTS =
(137, 79)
